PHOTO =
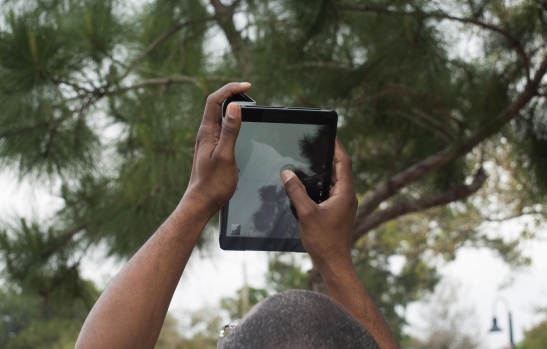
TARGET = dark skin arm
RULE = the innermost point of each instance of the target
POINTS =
(325, 230)
(131, 311)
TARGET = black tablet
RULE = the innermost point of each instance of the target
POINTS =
(260, 216)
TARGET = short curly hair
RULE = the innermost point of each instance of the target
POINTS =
(298, 319)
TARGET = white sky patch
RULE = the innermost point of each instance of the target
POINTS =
(27, 199)
(216, 45)
(484, 276)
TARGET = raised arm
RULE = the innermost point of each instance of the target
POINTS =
(131, 311)
(325, 230)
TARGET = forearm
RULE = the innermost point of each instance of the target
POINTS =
(344, 286)
(131, 311)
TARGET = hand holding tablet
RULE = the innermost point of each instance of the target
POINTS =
(260, 216)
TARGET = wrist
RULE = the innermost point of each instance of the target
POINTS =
(330, 256)
(201, 201)
(331, 268)
(197, 206)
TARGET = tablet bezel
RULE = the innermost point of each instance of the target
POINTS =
(284, 115)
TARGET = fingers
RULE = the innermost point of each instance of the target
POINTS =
(229, 132)
(213, 108)
(342, 174)
(297, 194)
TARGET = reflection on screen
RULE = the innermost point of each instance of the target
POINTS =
(260, 207)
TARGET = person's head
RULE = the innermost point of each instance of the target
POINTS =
(298, 320)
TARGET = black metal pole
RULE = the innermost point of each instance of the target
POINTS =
(511, 331)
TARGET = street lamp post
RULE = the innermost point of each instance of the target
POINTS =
(495, 327)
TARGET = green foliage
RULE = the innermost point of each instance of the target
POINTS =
(390, 287)
(247, 297)
(42, 53)
(535, 337)
(205, 327)
(31, 321)
(284, 273)
(36, 263)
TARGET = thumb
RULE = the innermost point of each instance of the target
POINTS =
(297, 193)
(230, 130)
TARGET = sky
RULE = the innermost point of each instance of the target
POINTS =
(479, 272)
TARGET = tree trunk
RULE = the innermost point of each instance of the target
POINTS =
(316, 282)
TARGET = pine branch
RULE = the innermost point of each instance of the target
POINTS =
(430, 164)
(518, 215)
(409, 206)
(159, 81)
(51, 135)
(160, 39)
(440, 15)
(318, 64)
(67, 237)
(160, 74)
(55, 282)
(82, 90)
(93, 96)
(425, 126)
(155, 190)
(405, 91)
(90, 100)
(447, 130)
(20, 130)
(224, 16)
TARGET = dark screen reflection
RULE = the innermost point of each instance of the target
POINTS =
(260, 207)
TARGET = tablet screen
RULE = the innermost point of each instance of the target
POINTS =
(260, 208)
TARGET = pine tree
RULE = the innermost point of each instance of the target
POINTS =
(102, 100)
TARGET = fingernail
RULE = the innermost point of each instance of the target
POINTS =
(245, 84)
(231, 110)
(286, 175)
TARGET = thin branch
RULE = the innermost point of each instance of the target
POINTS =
(51, 135)
(166, 35)
(224, 16)
(90, 100)
(430, 164)
(159, 40)
(319, 64)
(440, 15)
(518, 215)
(399, 209)
(67, 237)
(404, 91)
(158, 81)
(217, 78)
(90, 97)
(14, 132)
(75, 86)
(447, 130)
(425, 126)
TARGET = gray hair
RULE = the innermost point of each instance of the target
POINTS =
(298, 320)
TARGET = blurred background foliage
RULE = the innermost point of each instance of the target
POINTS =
(442, 108)
(535, 337)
